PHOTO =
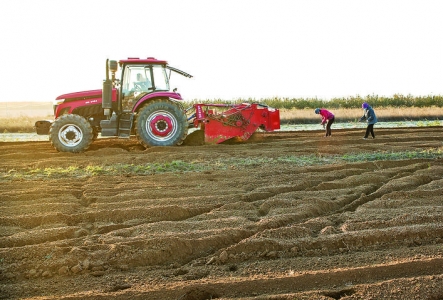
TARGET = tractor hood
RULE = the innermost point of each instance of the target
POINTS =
(83, 95)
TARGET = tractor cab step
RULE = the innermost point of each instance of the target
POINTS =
(109, 127)
(125, 125)
(117, 125)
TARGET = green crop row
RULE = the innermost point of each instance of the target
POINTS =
(180, 167)
(396, 100)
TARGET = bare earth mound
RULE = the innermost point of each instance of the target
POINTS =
(252, 224)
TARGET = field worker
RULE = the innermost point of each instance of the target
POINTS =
(371, 119)
(326, 118)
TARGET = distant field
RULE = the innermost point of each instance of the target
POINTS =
(386, 114)
(29, 109)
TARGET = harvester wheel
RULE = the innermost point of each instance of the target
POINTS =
(71, 133)
(161, 123)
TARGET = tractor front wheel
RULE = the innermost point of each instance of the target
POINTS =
(71, 133)
(161, 123)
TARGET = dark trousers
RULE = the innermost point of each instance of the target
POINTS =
(370, 129)
(328, 126)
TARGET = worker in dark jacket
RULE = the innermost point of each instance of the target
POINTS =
(327, 118)
(371, 119)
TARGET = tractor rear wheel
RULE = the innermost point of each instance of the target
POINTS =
(71, 133)
(161, 123)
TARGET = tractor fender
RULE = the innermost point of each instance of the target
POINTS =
(153, 96)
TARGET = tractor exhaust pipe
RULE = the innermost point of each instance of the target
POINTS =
(107, 92)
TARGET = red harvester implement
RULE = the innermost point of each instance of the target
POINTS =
(239, 120)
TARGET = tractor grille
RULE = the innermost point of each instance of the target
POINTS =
(87, 111)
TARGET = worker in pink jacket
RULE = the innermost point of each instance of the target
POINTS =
(326, 118)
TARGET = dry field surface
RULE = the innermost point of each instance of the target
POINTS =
(251, 225)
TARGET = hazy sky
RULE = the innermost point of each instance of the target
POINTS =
(234, 48)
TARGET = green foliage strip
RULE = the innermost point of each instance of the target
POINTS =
(181, 167)
(397, 100)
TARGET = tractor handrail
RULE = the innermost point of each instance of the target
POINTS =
(179, 71)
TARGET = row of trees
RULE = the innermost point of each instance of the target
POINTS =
(375, 101)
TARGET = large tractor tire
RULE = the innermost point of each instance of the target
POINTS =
(161, 123)
(71, 133)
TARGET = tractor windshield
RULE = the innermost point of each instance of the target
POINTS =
(139, 80)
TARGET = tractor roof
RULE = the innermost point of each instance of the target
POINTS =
(136, 60)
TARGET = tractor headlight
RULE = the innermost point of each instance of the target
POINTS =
(57, 102)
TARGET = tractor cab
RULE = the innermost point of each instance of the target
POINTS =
(139, 80)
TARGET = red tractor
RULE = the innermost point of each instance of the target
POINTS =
(140, 103)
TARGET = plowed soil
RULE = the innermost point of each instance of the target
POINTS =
(255, 227)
